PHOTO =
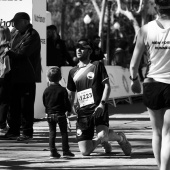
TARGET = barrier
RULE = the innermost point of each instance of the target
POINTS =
(120, 84)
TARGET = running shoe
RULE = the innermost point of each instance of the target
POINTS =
(125, 144)
(10, 136)
(107, 147)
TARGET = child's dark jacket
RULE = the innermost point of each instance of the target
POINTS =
(55, 100)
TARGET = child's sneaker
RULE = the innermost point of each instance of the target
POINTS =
(54, 155)
(125, 145)
(24, 138)
(11, 136)
(4, 130)
(68, 154)
(107, 147)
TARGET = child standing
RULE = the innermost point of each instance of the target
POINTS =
(56, 102)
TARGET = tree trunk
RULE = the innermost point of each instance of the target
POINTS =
(101, 22)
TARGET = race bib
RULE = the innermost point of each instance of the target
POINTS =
(85, 97)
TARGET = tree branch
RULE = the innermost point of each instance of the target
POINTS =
(96, 7)
(140, 7)
(101, 21)
(129, 15)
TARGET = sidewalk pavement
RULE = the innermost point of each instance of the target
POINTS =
(129, 118)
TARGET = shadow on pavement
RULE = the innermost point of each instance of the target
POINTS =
(136, 107)
(21, 165)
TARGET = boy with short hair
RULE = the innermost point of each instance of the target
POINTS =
(56, 102)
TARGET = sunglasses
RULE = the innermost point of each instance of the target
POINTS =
(82, 47)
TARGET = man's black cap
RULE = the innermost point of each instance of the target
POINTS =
(20, 15)
(84, 42)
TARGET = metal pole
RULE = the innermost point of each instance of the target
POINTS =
(108, 32)
(47, 5)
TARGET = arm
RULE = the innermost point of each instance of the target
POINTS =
(135, 61)
(67, 102)
(44, 98)
(137, 54)
(44, 103)
(106, 92)
(28, 45)
(71, 96)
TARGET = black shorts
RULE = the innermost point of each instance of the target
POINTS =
(156, 95)
(85, 125)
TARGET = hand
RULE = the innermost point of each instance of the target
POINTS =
(6, 50)
(68, 124)
(2, 58)
(68, 114)
(99, 111)
(136, 86)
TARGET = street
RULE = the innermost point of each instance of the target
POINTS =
(132, 119)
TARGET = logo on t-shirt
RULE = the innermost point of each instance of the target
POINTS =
(90, 75)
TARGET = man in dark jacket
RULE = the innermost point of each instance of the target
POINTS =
(25, 72)
(57, 54)
(97, 54)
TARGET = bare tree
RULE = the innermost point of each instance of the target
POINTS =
(101, 14)
(129, 15)
(144, 8)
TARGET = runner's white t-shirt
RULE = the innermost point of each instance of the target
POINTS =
(158, 44)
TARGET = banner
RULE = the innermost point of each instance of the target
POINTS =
(119, 82)
(8, 8)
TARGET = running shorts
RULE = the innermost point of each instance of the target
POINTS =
(86, 124)
(156, 95)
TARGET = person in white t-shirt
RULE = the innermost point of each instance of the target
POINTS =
(155, 38)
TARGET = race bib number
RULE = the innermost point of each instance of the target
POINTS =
(85, 97)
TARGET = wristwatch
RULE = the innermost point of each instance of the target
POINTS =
(103, 102)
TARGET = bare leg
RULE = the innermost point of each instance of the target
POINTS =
(107, 134)
(156, 117)
(114, 136)
(104, 134)
(165, 151)
(87, 146)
